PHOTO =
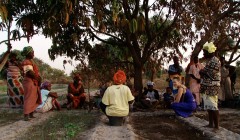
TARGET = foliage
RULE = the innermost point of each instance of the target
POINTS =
(148, 29)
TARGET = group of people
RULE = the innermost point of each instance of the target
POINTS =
(206, 79)
(24, 86)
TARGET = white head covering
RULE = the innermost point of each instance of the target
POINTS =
(150, 83)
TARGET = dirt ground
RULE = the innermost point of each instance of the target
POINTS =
(163, 127)
(229, 121)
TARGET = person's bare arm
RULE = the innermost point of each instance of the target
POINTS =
(179, 95)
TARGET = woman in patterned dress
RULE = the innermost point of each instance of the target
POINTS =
(14, 81)
(210, 85)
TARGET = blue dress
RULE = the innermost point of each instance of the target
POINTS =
(186, 107)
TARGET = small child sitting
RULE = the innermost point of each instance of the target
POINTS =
(168, 98)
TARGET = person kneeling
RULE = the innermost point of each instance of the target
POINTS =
(49, 99)
(184, 103)
(116, 100)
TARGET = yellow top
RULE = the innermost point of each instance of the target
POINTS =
(116, 97)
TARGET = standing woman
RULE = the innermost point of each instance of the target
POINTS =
(4, 59)
(31, 83)
(210, 85)
(14, 81)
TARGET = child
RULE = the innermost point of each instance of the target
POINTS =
(168, 98)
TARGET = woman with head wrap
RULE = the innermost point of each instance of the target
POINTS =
(49, 99)
(210, 85)
(116, 99)
(4, 59)
(76, 95)
(31, 83)
(14, 81)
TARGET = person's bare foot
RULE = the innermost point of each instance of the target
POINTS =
(215, 130)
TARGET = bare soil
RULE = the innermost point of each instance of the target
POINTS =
(163, 127)
(229, 121)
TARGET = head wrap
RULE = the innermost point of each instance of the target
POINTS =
(150, 83)
(45, 84)
(119, 77)
(77, 77)
(210, 47)
(14, 53)
(27, 50)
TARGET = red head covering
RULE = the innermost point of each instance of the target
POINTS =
(119, 77)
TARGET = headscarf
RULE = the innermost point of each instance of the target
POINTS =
(150, 83)
(77, 77)
(27, 50)
(210, 47)
(45, 84)
(119, 77)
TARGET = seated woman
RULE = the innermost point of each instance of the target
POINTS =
(76, 95)
(49, 99)
(184, 103)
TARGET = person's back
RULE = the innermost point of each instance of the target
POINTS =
(116, 97)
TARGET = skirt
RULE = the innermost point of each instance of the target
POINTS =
(210, 102)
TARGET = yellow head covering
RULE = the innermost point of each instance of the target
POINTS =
(210, 47)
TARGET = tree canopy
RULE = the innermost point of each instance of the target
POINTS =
(156, 29)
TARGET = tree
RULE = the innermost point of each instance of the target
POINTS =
(218, 21)
(158, 29)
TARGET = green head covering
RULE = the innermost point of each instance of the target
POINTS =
(27, 50)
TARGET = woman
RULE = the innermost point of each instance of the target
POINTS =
(4, 59)
(49, 99)
(210, 85)
(116, 99)
(31, 83)
(195, 79)
(14, 81)
(226, 93)
(184, 103)
(76, 95)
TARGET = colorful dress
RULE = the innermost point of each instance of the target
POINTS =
(32, 95)
(186, 106)
(194, 85)
(210, 85)
(14, 83)
(77, 97)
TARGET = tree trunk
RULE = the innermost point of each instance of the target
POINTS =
(138, 79)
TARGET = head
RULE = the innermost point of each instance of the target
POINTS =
(175, 60)
(150, 85)
(46, 85)
(13, 56)
(169, 90)
(195, 59)
(209, 50)
(176, 82)
(77, 78)
(28, 52)
(119, 77)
